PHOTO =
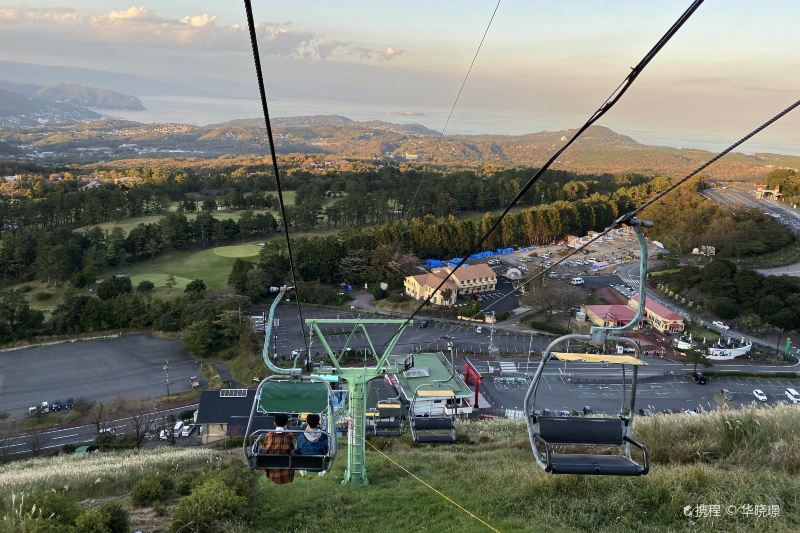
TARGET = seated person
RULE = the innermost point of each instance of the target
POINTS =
(313, 441)
(279, 442)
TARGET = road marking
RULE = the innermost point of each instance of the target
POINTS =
(65, 436)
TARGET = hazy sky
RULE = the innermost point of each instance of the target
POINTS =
(544, 65)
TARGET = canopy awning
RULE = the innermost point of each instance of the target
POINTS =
(436, 393)
(293, 397)
(598, 358)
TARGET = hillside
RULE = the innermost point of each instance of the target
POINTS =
(331, 138)
(739, 460)
(20, 110)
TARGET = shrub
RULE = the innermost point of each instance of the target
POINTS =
(55, 505)
(111, 517)
(43, 296)
(208, 505)
(147, 491)
(186, 414)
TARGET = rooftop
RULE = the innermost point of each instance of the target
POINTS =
(659, 309)
(438, 368)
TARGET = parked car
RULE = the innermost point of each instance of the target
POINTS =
(187, 430)
(178, 427)
(721, 325)
(32, 411)
(423, 324)
(759, 395)
(728, 395)
(587, 409)
(165, 434)
(565, 413)
(576, 281)
(45, 407)
(699, 378)
(479, 329)
(195, 382)
(792, 395)
(56, 406)
(69, 403)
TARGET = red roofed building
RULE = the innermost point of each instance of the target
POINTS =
(657, 315)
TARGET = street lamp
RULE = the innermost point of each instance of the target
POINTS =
(166, 373)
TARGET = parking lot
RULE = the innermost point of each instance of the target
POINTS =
(100, 370)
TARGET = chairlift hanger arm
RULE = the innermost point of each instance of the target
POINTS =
(275, 369)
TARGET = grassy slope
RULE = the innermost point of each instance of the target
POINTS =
(734, 458)
(751, 456)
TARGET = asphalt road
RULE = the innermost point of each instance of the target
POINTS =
(100, 370)
(50, 441)
(674, 392)
(735, 198)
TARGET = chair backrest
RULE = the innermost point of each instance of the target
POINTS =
(569, 430)
(434, 423)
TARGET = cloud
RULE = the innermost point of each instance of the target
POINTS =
(139, 25)
(378, 55)
(60, 15)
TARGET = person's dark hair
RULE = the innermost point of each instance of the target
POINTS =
(281, 419)
(312, 421)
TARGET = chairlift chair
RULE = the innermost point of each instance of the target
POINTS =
(547, 431)
(296, 396)
(386, 420)
(432, 426)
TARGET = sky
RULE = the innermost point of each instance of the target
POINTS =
(544, 64)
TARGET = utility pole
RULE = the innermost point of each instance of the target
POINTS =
(493, 350)
(166, 373)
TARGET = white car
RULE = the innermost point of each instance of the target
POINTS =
(721, 325)
(187, 430)
(792, 395)
(759, 395)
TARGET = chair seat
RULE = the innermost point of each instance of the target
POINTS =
(313, 463)
(593, 465)
(423, 423)
(428, 439)
(387, 433)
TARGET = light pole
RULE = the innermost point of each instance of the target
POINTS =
(166, 373)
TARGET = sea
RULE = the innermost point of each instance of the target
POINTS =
(782, 138)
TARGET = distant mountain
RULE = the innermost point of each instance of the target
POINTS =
(73, 94)
(339, 138)
(114, 81)
(19, 110)
(334, 121)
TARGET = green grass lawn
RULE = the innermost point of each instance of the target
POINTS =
(238, 250)
(213, 269)
(129, 223)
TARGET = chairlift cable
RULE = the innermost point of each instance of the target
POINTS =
(444, 128)
(648, 203)
(602, 110)
(263, 94)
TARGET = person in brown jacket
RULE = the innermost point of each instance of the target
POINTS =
(279, 442)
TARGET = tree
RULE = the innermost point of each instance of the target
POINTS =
(113, 287)
(697, 356)
(142, 421)
(203, 338)
(195, 289)
(171, 282)
(238, 276)
(99, 418)
(145, 286)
